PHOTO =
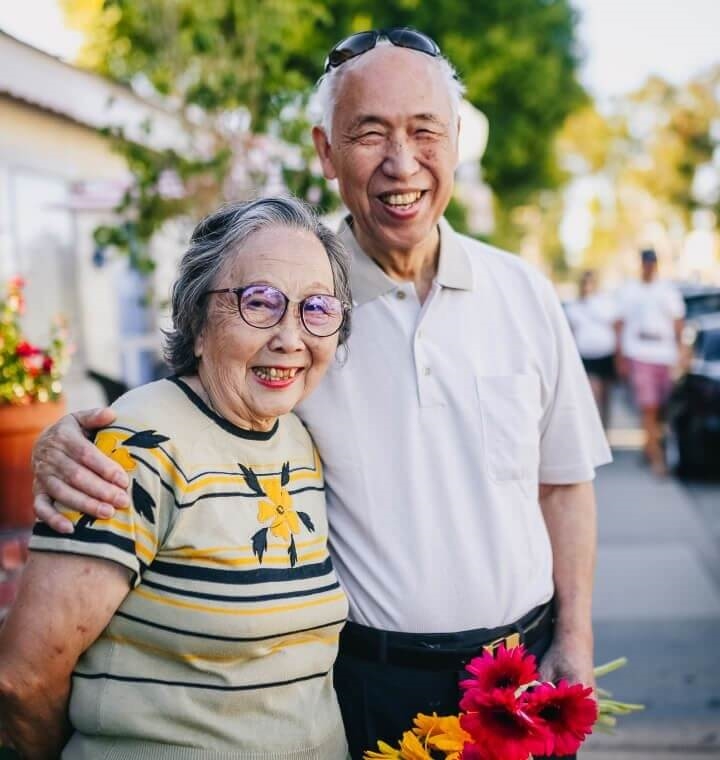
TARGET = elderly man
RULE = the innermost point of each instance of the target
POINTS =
(459, 438)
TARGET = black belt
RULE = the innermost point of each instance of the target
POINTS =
(443, 651)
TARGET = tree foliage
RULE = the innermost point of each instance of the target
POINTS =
(654, 160)
(518, 59)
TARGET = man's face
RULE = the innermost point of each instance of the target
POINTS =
(648, 269)
(393, 149)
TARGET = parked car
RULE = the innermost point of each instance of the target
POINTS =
(692, 445)
(700, 299)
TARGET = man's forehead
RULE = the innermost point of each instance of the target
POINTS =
(389, 80)
(386, 61)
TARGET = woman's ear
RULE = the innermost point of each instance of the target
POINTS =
(199, 343)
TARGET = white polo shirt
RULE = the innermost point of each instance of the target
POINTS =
(436, 433)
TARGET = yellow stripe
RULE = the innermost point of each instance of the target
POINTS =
(71, 514)
(188, 552)
(129, 528)
(209, 480)
(133, 530)
(240, 561)
(328, 640)
(144, 553)
(306, 639)
(144, 593)
(136, 532)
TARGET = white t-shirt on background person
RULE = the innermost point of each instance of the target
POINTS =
(592, 320)
(649, 311)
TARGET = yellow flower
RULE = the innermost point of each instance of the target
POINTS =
(426, 724)
(386, 753)
(111, 445)
(279, 509)
(442, 733)
(411, 749)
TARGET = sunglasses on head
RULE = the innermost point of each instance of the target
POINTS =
(357, 44)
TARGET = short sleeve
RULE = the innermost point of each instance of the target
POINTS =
(572, 440)
(132, 536)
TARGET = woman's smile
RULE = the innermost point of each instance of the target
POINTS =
(276, 377)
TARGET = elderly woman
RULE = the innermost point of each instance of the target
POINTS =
(202, 622)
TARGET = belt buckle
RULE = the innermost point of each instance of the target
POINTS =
(511, 641)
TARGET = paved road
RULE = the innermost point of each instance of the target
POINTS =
(657, 601)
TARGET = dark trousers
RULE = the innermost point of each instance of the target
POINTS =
(379, 701)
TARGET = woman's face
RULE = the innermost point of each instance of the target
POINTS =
(253, 375)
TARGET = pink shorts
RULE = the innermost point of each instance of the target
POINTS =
(651, 383)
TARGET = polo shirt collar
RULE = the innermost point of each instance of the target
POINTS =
(370, 282)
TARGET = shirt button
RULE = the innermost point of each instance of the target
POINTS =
(427, 371)
(419, 334)
(400, 295)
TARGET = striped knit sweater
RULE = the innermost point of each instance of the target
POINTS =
(224, 646)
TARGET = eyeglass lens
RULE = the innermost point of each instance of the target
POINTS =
(264, 306)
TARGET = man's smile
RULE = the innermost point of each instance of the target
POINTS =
(401, 200)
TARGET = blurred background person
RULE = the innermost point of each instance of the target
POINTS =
(649, 329)
(592, 318)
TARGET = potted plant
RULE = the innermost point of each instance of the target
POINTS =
(30, 400)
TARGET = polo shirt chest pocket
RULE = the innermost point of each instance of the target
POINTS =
(510, 411)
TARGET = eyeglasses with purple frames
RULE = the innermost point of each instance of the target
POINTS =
(264, 306)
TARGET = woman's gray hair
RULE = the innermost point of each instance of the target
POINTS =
(327, 87)
(215, 241)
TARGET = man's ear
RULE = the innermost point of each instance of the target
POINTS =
(457, 142)
(324, 151)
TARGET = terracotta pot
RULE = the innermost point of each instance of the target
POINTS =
(20, 426)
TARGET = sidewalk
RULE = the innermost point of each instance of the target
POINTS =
(657, 601)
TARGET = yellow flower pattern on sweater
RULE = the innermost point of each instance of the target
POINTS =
(111, 445)
(279, 509)
(285, 522)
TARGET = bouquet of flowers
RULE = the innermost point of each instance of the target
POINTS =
(28, 373)
(507, 713)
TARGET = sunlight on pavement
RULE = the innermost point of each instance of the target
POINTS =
(626, 438)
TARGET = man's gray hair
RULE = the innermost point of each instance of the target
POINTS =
(214, 242)
(327, 87)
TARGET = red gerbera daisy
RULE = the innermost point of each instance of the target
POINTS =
(498, 722)
(568, 712)
(472, 751)
(506, 669)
